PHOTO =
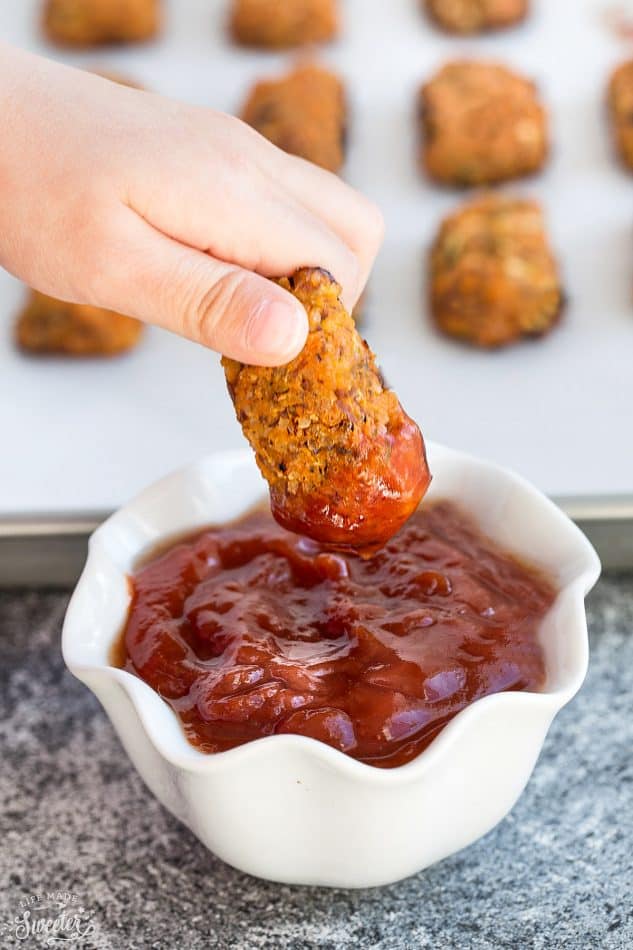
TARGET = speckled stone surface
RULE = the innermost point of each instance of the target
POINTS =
(75, 817)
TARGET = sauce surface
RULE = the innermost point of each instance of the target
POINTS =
(247, 631)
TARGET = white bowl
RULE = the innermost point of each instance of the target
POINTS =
(292, 809)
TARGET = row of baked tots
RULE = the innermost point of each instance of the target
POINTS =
(492, 276)
(262, 23)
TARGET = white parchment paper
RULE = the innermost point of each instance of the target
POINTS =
(85, 436)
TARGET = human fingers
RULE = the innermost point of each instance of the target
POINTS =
(232, 310)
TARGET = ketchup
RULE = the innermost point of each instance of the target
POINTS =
(248, 630)
(362, 507)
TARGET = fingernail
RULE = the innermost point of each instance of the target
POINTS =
(276, 329)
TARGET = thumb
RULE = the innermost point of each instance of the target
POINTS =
(234, 311)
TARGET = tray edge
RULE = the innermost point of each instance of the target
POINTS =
(50, 550)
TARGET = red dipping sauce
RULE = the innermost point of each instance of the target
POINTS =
(248, 631)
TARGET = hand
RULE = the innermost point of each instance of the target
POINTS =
(167, 212)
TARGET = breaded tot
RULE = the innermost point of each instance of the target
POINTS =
(303, 113)
(476, 16)
(279, 24)
(620, 103)
(481, 123)
(96, 22)
(493, 277)
(344, 463)
(47, 325)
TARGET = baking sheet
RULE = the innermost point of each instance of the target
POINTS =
(80, 437)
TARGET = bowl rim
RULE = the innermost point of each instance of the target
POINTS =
(150, 707)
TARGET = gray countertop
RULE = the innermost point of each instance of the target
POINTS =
(75, 818)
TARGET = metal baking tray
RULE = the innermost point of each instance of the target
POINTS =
(50, 551)
(80, 438)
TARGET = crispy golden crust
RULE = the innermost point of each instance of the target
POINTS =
(334, 361)
(303, 113)
(476, 16)
(620, 104)
(481, 123)
(493, 277)
(283, 23)
(47, 325)
(344, 463)
(94, 22)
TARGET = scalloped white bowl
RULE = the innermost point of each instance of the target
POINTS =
(292, 809)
